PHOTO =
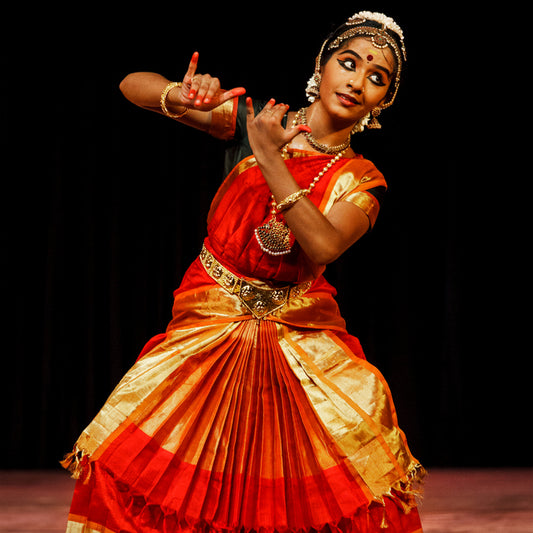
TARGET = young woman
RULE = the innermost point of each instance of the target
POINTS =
(256, 410)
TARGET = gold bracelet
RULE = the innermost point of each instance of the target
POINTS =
(163, 100)
(291, 199)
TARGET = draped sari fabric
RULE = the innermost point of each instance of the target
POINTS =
(235, 424)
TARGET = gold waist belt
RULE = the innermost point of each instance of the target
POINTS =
(260, 301)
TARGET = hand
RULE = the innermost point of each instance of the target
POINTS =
(201, 91)
(265, 132)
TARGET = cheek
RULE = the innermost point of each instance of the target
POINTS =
(374, 94)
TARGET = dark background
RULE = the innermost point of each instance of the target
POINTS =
(104, 207)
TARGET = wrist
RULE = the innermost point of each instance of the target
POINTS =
(173, 97)
(268, 156)
(178, 109)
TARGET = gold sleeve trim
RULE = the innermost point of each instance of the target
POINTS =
(351, 185)
(365, 201)
(223, 120)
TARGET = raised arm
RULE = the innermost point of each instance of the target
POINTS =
(194, 100)
(323, 238)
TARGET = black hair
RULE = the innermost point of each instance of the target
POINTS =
(326, 54)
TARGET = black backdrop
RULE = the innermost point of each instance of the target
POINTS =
(104, 207)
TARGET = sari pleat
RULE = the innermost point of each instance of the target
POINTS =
(229, 424)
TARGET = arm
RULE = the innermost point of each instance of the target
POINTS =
(323, 238)
(199, 94)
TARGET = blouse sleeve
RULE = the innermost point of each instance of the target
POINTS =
(228, 120)
(224, 120)
(361, 184)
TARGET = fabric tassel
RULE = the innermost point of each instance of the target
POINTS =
(77, 463)
(384, 524)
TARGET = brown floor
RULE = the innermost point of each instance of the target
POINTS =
(456, 501)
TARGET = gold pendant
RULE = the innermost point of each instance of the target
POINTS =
(274, 237)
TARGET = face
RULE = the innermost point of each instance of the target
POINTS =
(356, 79)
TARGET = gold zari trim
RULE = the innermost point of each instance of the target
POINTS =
(260, 301)
(222, 120)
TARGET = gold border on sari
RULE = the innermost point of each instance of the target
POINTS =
(355, 404)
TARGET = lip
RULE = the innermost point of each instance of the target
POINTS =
(347, 99)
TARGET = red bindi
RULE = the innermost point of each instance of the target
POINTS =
(369, 57)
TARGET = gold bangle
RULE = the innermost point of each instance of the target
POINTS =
(291, 199)
(163, 100)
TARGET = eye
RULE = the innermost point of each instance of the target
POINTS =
(348, 63)
(377, 79)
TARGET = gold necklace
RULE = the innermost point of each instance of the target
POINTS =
(301, 118)
(274, 236)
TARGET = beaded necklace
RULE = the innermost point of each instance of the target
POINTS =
(274, 236)
(301, 118)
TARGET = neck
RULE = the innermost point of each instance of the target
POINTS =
(324, 128)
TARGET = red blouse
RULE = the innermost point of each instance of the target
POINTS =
(243, 203)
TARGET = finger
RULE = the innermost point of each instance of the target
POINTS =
(279, 111)
(188, 80)
(233, 93)
(250, 113)
(291, 133)
(269, 106)
(204, 83)
(192, 66)
(212, 90)
(208, 90)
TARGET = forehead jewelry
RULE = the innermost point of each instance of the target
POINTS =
(380, 38)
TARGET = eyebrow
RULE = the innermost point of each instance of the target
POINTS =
(379, 67)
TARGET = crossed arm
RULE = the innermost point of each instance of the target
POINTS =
(323, 238)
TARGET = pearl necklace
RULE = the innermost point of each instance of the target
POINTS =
(275, 237)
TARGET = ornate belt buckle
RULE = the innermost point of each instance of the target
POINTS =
(259, 301)
(262, 302)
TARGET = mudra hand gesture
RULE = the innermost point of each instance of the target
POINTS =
(265, 132)
(202, 91)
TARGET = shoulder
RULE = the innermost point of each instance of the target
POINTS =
(361, 174)
(358, 182)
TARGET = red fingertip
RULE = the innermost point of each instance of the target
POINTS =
(304, 127)
(194, 58)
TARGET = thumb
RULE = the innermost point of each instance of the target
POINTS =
(296, 130)
(250, 113)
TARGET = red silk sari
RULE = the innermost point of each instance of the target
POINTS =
(231, 424)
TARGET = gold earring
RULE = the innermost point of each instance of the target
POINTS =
(313, 87)
(374, 123)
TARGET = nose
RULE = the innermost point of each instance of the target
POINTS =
(356, 84)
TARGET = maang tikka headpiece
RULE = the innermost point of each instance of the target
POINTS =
(357, 26)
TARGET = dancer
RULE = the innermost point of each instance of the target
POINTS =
(257, 410)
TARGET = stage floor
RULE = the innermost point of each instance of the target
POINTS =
(456, 501)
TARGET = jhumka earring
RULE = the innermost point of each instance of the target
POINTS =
(359, 126)
(374, 123)
(313, 87)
